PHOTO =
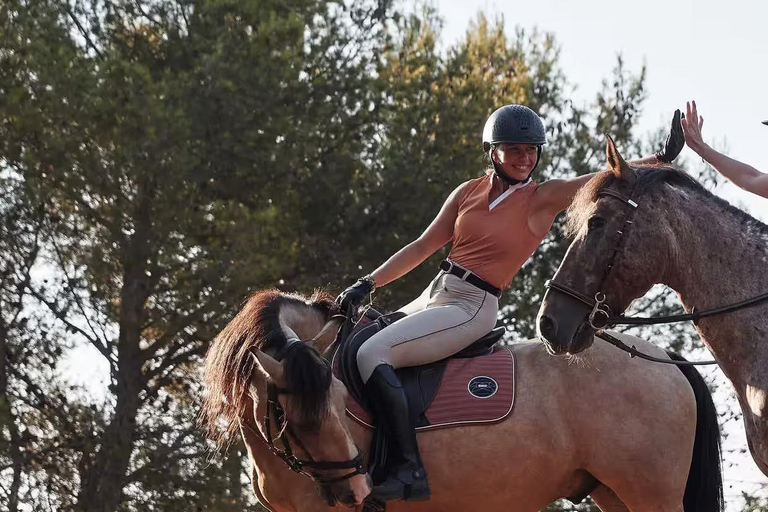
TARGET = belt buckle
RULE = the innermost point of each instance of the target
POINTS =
(460, 269)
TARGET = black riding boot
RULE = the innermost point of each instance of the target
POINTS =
(407, 479)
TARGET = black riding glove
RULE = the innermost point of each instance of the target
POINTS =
(675, 141)
(355, 294)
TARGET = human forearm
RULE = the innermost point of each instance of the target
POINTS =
(403, 261)
(742, 175)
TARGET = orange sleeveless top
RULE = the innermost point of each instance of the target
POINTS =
(495, 243)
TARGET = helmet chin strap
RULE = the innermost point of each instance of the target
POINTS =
(509, 181)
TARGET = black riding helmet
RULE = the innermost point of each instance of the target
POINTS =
(514, 124)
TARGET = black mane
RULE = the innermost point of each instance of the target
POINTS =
(229, 363)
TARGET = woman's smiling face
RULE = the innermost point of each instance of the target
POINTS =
(516, 160)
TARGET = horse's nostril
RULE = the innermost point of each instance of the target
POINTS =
(547, 327)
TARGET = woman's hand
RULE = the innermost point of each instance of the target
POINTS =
(692, 127)
(355, 294)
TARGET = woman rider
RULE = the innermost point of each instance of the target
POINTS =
(496, 222)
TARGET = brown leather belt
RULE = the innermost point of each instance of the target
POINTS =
(450, 267)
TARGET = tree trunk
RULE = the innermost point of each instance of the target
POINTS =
(7, 419)
(102, 489)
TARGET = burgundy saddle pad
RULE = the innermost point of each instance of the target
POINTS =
(472, 391)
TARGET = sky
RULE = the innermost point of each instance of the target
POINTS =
(712, 51)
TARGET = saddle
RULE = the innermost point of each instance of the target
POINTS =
(473, 386)
(421, 383)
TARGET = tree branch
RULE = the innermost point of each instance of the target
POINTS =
(103, 345)
(82, 31)
(173, 329)
(162, 373)
(41, 396)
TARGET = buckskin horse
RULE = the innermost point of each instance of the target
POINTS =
(632, 434)
(634, 227)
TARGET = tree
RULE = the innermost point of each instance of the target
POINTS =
(179, 151)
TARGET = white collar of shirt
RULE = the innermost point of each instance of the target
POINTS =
(507, 193)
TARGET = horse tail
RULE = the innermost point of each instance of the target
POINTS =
(704, 489)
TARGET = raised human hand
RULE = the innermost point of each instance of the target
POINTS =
(692, 127)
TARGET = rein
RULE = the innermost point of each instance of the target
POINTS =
(599, 306)
(276, 412)
(601, 316)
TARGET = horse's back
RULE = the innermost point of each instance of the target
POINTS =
(604, 371)
(623, 414)
(604, 384)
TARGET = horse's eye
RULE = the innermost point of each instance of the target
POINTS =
(595, 223)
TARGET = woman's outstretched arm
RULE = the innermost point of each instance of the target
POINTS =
(742, 175)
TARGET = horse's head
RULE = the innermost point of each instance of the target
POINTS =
(275, 389)
(624, 243)
(299, 409)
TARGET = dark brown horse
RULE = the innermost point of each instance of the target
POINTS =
(634, 227)
(635, 435)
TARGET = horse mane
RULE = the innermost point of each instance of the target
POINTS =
(650, 178)
(229, 363)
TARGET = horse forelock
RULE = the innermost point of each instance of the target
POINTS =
(229, 364)
(584, 204)
(307, 374)
(308, 378)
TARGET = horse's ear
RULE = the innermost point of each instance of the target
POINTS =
(269, 366)
(616, 162)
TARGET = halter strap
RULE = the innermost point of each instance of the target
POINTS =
(286, 454)
(292, 461)
(618, 195)
(601, 311)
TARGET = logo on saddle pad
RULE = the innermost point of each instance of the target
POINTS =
(482, 387)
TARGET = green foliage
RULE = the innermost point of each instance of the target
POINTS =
(182, 154)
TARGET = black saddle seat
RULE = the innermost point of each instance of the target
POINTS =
(482, 346)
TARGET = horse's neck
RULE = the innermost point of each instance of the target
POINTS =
(723, 261)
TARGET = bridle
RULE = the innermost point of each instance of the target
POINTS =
(601, 315)
(307, 467)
